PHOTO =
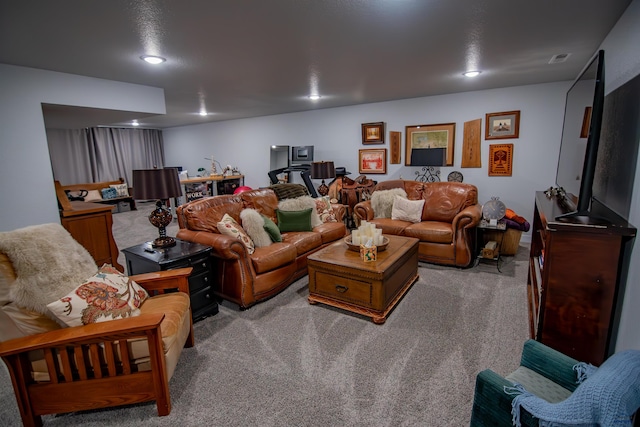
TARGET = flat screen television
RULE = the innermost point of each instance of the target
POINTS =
(428, 157)
(580, 138)
(302, 154)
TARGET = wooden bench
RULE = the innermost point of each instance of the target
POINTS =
(62, 190)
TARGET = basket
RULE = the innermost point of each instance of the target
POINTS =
(510, 239)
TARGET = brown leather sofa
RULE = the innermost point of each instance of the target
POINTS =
(246, 279)
(449, 217)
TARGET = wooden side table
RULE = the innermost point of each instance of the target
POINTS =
(144, 258)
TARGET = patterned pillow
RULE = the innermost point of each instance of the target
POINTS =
(109, 193)
(121, 189)
(325, 210)
(229, 227)
(107, 295)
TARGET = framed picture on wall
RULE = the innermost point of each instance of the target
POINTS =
(372, 160)
(500, 159)
(373, 133)
(429, 140)
(502, 125)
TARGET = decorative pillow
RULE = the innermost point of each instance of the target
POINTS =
(407, 210)
(108, 295)
(121, 189)
(272, 229)
(109, 193)
(93, 195)
(229, 227)
(325, 210)
(382, 201)
(253, 224)
(294, 220)
(298, 204)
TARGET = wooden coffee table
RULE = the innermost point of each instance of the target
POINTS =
(340, 278)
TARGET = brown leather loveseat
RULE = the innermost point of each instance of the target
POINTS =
(244, 278)
(447, 227)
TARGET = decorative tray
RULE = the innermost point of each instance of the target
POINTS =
(356, 248)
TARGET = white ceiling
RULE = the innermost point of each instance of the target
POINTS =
(249, 58)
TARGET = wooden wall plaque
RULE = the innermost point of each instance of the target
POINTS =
(394, 140)
(471, 148)
(500, 159)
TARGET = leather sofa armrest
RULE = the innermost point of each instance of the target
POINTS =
(467, 218)
(339, 210)
(363, 210)
(224, 247)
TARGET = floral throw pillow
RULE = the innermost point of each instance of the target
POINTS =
(325, 210)
(108, 295)
(230, 227)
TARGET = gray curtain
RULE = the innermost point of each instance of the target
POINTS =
(103, 154)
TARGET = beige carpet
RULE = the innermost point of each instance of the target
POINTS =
(284, 362)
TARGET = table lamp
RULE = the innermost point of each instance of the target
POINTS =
(161, 185)
(323, 170)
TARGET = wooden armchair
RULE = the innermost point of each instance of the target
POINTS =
(87, 367)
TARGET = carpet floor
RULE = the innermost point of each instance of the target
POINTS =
(284, 362)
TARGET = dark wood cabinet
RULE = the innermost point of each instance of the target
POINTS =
(144, 258)
(229, 185)
(576, 280)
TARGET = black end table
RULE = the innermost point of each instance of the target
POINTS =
(144, 258)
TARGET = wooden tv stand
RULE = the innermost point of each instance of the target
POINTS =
(575, 287)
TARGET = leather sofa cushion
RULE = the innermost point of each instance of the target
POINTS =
(263, 200)
(205, 214)
(304, 241)
(331, 231)
(391, 226)
(430, 231)
(444, 202)
(273, 256)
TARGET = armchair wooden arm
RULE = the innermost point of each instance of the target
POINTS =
(90, 364)
(160, 281)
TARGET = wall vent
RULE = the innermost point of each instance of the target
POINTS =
(561, 57)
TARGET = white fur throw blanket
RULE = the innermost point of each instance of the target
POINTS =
(48, 263)
(382, 201)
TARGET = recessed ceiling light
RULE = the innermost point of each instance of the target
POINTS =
(135, 123)
(314, 97)
(471, 73)
(153, 59)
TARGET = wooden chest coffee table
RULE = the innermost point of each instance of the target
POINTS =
(340, 278)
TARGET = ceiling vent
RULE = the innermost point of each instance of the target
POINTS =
(561, 57)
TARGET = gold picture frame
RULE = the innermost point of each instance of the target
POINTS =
(502, 125)
(372, 160)
(430, 136)
(500, 159)
(373, 133)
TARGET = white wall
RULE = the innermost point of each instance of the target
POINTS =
(622, 63)
(27, 190)
(336, 135)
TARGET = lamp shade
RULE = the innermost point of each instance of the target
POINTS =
(322, 170)
(156, 184)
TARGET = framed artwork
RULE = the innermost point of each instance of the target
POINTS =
(373, 133)
(500, 159)
(586, 122)
(502, 125)
(372, 160)
(396, 146)
(440, 137)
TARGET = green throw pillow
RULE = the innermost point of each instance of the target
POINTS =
(294, 220)
(272, 229)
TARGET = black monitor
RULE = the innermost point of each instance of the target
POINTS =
(428, 156)
(302, 154)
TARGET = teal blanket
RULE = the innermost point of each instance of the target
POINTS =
(606, 396)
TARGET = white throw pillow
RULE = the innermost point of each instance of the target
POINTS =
(407, 210)
(229, 227)
(253, 224)
(107, 295)
(93, 195)
(299, 204)
(382, 201)
(121, 189)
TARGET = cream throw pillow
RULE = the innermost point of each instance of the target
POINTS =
(407, 210)
(253, 224)
(382, 201)
(93, 195)
(229, 227)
